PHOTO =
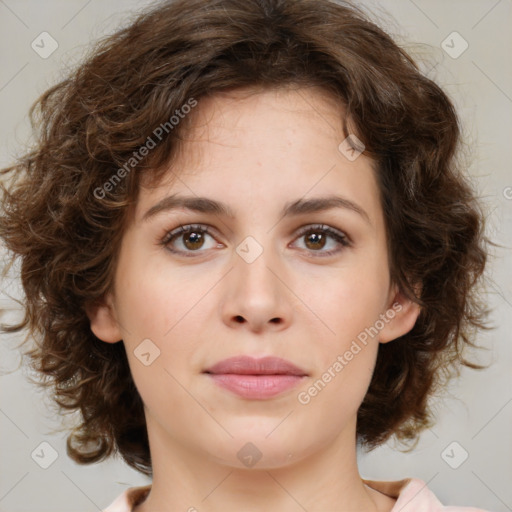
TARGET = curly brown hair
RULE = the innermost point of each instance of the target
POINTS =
(65, 224)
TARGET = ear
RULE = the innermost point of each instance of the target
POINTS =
(102, 320)
(401, 316)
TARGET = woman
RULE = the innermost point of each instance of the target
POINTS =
(246, 247)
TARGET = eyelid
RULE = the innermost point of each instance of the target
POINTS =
(325, 227)
(185, 228)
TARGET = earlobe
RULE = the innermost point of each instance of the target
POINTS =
(401, 315)
(102, 321)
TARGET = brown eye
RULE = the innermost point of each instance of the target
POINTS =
(189, 239)
(318, 237)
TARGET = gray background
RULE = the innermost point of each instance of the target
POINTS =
(476, 412)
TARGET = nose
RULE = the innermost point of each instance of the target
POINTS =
(257, 295)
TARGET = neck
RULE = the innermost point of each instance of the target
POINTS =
(328, 479)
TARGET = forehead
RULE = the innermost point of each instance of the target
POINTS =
(252, 117)
(246, 145)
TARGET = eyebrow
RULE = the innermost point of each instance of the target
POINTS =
(298, 207)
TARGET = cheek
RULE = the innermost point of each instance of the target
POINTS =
(344, 304)
(153, 297)
(168, 306)
(346, 356)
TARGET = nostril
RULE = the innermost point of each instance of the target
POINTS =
(239, 319)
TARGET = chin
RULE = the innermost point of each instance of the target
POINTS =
(254, 449)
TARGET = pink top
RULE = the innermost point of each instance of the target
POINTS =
(412, 495)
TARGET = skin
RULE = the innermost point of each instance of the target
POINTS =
(256, 153)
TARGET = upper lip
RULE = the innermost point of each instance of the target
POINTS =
(246, 365)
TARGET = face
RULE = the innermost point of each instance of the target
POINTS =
(264, 240)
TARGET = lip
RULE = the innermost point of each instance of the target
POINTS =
(256, 378)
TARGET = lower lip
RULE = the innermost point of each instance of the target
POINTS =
(256, 387)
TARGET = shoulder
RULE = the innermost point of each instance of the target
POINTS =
(128, 499)
(413, 495)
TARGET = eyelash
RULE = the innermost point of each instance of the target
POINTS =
(338, 236)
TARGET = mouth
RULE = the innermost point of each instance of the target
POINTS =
(256, 379)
